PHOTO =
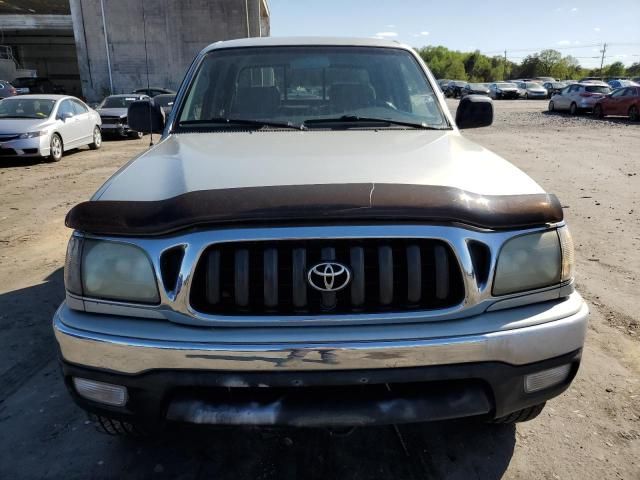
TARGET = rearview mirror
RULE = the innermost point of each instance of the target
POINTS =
(474, 111)
(146, 117)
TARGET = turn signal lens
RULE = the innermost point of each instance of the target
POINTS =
(568, 255)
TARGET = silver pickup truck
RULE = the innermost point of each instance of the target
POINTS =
(314, 243)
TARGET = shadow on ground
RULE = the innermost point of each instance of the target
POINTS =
(9, 162)
(46, 436)
(26, 338)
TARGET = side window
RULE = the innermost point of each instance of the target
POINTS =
(631, 92)
(78, 108)
(66, 107)
(619, 93)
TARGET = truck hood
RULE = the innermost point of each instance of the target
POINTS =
(190, 162)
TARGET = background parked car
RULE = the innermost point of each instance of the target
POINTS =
(165, 101)
(153, 91)
(503, 90)
(25, 85)
(474, 89)
(623, 101)
(544, 79)
(442, 83)
(621, 83)
(113, 111)
(46, 126)
(6, 89)
(578, 97)
(454, 88)
(532, 90)
(553, 88)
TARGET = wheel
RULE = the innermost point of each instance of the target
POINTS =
(136, 135)
(55, 153)
(523, 415)
(97, 139)
(597, 111)
(526, 96)
(552, 107)
(634, 115)
(573, 109)
(112, 426)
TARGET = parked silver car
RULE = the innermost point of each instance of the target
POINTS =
(579, 97)
(46, 126)
(531, 90)
(113, 111)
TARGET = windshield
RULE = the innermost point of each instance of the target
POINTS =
(292, 85)
(26, 107)
(597, 89)
(119, 102)
(478, 85)
(532, 85)
(506, 85)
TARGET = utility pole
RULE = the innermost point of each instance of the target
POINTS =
(604, 50)
(504, 67)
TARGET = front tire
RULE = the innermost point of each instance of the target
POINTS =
(597, 111)
(115, 427)
(634, 114)
(55, 148)
(136, 135)
(526, 96)
(552, 107)
(573, 109)
(97, 139)
(523, 415)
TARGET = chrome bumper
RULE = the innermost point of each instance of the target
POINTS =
(515, 336)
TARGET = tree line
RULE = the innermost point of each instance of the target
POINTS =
(477, 67)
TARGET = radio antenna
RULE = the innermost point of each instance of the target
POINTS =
(146, 61)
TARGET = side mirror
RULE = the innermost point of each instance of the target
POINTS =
(65, 116)
(146, 117)
(474, 111)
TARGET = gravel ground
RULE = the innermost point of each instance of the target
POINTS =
(590, 432)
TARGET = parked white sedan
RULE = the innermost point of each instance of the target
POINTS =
(46, 126)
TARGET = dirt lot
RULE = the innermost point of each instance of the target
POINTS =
(590, 432)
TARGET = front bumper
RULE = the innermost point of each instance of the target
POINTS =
(201, 375)
(516, 336)
(28, 147)
(115, 129)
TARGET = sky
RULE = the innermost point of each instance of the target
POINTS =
(577, 28)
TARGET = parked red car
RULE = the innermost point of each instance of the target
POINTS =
(623, 101)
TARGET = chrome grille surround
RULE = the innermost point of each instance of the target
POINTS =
(175, 300)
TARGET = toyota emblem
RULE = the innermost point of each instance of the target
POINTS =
(329, 276)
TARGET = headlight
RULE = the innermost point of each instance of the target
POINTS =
(30, 135)
(109, 270)
(533, 261)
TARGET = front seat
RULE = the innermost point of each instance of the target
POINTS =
(256, 101)
(345, 97)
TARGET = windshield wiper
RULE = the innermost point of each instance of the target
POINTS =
(350, 119)
(244, 121)
(20, 116)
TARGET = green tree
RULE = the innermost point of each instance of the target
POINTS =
(616, 69)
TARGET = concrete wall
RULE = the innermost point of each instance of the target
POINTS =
(175, 31)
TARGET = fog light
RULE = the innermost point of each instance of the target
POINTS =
(101, 392)
(546, 378)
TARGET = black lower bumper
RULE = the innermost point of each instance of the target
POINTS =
(340, 398)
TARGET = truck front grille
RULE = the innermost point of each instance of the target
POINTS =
(271, 278)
